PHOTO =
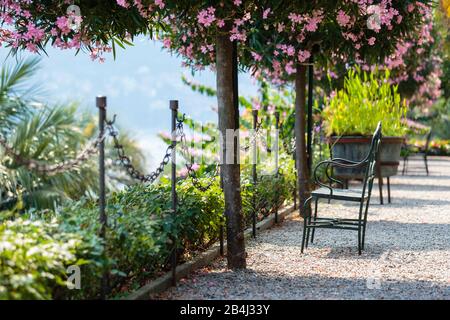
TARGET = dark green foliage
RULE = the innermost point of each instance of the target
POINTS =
(139, 237)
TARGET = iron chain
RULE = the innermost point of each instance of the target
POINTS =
(289, 149)
(127, 164)
(53, 169)
(253, 137)
(189, 166)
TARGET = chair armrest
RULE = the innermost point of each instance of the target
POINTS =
(337, 162)
(343, 160)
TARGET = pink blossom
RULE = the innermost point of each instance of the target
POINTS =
(290, 51)
(123, 3)
(256, 56)
(167, 43)
(160, 4)
(290, 68)
(266, 13)
(342, 18)
(303, 55)
(207, 16)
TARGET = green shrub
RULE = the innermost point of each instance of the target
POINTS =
(36, 249)
(366, 99)
(139, 240)
(34, 256)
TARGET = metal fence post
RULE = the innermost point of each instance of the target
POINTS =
(277, 127)
(295, 185)
(254, 172)
(174, 108)
(310, 115)
(101, 103)
(221, 230)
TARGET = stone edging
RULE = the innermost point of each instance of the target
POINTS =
(205, 258)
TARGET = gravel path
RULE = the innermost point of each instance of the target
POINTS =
(407, 253)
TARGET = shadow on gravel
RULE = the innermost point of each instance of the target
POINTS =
(413, 203)
(419, 187)
(397, 202)
(431, 177)
(381, 236)
(250, 284)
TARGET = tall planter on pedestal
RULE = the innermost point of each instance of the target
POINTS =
(356, 148)
(351, 116)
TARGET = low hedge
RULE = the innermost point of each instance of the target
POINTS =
(37, 247)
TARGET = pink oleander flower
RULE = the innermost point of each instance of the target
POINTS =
(290, 69)
(160, 4)
(342, 18)
(303, 55)
(123, 3)
(167, 43)
(206, 16)
(256, 56)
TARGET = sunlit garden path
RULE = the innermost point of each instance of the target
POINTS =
(407, 254)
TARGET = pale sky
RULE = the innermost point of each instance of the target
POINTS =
(138, 84)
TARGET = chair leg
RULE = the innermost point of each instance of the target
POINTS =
(425, 159)
(359, 240)
(361, 228)
(363, 241)
(305, 226)
(380, 186)
(362, 224)
(405, 161)
(315, 219)
(308, 232)
(389, 189)
(305, 223)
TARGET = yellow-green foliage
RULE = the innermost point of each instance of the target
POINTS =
(366, 99)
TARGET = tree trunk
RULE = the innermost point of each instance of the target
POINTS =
(230, 167)
(300, 144)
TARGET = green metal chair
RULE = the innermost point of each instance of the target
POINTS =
(311, 223)
(410, 151)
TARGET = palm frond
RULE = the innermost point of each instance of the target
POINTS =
(13, 79)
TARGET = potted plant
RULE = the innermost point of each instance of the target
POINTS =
(352, 114)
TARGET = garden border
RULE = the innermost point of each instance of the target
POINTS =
(205, 258)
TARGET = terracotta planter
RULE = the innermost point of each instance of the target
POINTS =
(355, 148)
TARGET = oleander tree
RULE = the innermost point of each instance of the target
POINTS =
(289, 34)
(214, 34)
(415, 66)
(202, 31)
(93, 26)
(272, 38)
(275, 39)
(442, 21)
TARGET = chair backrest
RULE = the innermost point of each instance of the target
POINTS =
(373, 159)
